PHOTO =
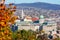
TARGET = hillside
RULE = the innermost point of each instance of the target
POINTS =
(36, 9)
(40, 5)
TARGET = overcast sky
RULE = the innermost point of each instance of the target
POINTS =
(32, 1)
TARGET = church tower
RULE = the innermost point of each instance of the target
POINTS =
(22, 15)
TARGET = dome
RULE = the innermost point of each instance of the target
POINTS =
(41, 17)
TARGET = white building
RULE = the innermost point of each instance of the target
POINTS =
(51, 26)
(28, 19)
(28, 26)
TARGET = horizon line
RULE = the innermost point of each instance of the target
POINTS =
(34, 2)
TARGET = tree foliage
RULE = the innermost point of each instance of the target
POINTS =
(6, 17)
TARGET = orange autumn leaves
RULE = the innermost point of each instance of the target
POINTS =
(6, 17)
(6, 14)
(5, 34)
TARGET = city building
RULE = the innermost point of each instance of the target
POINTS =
(28, 26)
(50, 27)
(35, 20)
(41, 20)
(28, 19)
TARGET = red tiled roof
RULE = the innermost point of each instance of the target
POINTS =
(35, 19)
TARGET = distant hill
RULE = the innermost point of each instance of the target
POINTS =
(40, 5)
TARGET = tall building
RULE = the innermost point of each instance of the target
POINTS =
(22, 15)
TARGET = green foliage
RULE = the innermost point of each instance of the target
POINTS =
(24, 35)
(56, 39)
(29, 35)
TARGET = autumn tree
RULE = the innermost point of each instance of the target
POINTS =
(6, 17)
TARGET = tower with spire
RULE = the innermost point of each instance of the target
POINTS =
(22, 14)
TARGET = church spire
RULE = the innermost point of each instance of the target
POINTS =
(22, 15)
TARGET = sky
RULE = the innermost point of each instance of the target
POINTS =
(32, 1)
